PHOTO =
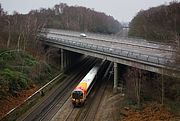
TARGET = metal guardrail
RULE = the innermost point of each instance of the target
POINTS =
(106, 37)
(118, 52)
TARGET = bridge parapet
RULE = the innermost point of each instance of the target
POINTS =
(116, 52)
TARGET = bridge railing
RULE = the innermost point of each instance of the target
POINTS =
(104, 36)
(165, 48)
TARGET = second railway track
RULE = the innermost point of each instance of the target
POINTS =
(89, 111)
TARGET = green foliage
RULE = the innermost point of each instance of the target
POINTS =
(15, 68)
(7, 56)
(16, 80)
(14, 71)
(48, 70)
(45, 73)
(29, 60)
(2, 63)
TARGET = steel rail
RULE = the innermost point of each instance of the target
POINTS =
(64, 95)
(33, 115)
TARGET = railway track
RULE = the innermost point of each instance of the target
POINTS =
(65, 94)
(94, 106)
(89, 111)
(46, 109)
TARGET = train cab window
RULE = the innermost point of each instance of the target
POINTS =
(77, 95)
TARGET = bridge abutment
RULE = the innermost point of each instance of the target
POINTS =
(68, 59)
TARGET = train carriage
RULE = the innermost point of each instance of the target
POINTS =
(83, 88)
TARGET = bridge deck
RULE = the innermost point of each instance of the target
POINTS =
(154, 55)
(127, 46)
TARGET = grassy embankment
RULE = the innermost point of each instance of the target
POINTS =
(20, 76)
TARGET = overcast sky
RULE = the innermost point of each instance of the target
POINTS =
(122, 10)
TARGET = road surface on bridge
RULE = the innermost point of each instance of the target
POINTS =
(138, 46)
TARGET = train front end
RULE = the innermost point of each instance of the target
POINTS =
(79, 94)
(78, 97)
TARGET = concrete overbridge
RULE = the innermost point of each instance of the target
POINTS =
(138, 53)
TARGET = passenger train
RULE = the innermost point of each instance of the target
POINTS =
(80, 93)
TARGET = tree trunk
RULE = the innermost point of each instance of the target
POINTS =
(9, 34)
(139, 89)
(162, 89)
(18, 43)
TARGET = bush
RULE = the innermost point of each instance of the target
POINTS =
(16, 80)
(29, 60)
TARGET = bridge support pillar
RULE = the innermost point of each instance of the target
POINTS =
(71, 58)
(62, 59)
(115, 77)
(68, 59)
(65, 59)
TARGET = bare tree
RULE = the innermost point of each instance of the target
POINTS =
(134, 78)
(9, 33)
(162, 88)
(137, 85)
